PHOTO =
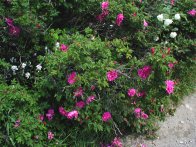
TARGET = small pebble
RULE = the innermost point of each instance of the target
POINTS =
(181, 142)
(182, 122)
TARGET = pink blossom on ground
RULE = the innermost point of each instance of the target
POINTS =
(171, 65)
(78, 92)
(80, 104)
(137, 112)
(104, 5)
(119, 19)
(106, 116)
(41, 117)
(145, 23)
(117, 142)
(144, 115)
(72, 114)
(17, 123)
(112, 75)
(192, 12)
(62, 111)
(9, 21)
(72, 78)
(50, 114)
(50, 135)
(64, 47)
(90, 99)
(14, 31)
(144, 72)
(131, 92)
(169, 86)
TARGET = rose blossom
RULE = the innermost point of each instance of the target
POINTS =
(72, 78)
(173, 34)
(78, 92)
(131, 92)
(9, 21)
(145, 23)
(41, 117)
(62, 111)
(171, 65)
(104, 5)
(50, 114)
(167, 22)
(72, 114)
(64, 47)
(169, 86)
(117, 142)
(192, 12)
(144, 72)
(80, 104)
(137, 112)
(50, 135)
(112, 75)
(14, 31)
(177, 16)
(106, 116)
(144, 115)
(90, 99)
(119, 19)
(160, 17)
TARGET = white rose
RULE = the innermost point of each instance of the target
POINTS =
(14, 68)
(27, 75)
(57, 44)
(160, 17)
(156, 39)
(177, 16)
(39, 67)
(173, 34)
(167, 22)
(24, 65)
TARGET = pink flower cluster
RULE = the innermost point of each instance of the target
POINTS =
(112, 75)
(105, 11)
(62, 111)
(80, 104)
(13, 30)
(119, 19)
(144, 72)
(169, 86)
(72, 78)
(64, 47)
(140, 114)
(78, 92)
(50, 114)
(106, 116)
(50, 135)
(90, 99)
(117, 142)
(131, 92)
(72, 114)
(192, 12)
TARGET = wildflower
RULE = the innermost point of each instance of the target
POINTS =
(14, 31)
(104, 5)
(173, 34)
(63, 47)
(144, 115)
(131, 92)
(72, 78)
(112, 75)
(14, 68)
(57, 44)
(117, 142)
(50, 114)
(170, 65)
(137, 112)
(106, 116)
(39, 67)
(156, 39)
(78, 92)
(62, 111)
(172, 2)
(160, 17)
(23, 65)
(90, 99)
(50, 135)
(27, 75)
(80, 104)
(119, 19)
(167, 22)
(177, 16)
(145, 23)
(169, 86)
(141, 94)
(72, 114)
(192, 12)
(17, 123)
(144, 72)
(41, 117)
(93, 87)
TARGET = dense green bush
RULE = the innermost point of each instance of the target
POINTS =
(76, 73)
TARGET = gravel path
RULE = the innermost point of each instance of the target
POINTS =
(177, 131)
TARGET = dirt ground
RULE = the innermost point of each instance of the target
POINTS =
(177, 131)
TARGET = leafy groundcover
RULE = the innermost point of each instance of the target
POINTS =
(87, 72)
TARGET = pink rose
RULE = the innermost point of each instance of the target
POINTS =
(137, 112)
(106, 116)
(192, 12)
(90, 99)
(63, 47)
(9, 21)
(144, 72)
(14, 31)
(78, 92)
(80, 104)
(144, 115)
(117, 142)
(119, 19)
(50, 135)
(62, 111)
(72, 114)
(104, 5)
(171, 65)
(72, 78)
(41, 117)
(169, 86)
(131, 92)
(145, 23)
(112, 75)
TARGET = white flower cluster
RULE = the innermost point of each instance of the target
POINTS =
(168, 22)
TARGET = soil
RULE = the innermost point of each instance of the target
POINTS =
(176, 131)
